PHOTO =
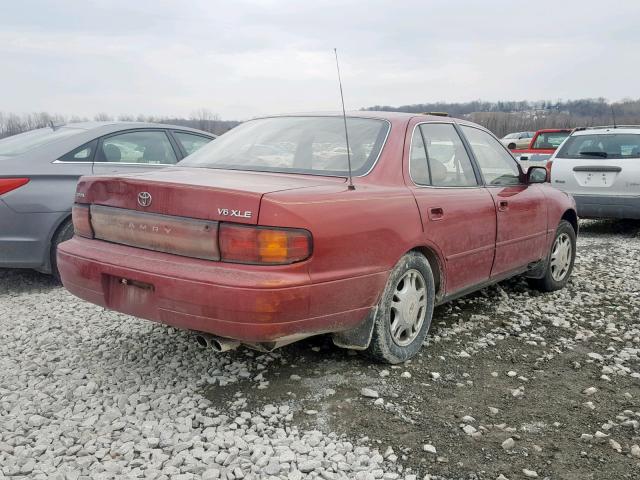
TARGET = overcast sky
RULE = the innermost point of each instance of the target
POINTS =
(244, 58)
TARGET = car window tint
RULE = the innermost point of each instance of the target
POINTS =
(144, 147)
(191, 142)
(83, 153)
(23, 142)
(309, 145)
(618, 145)
(449, 163)
(418, 160)
(496, 164)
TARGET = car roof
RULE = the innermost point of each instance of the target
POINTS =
(385, 115)
(609, 130)
(114, 126)
(553, 130)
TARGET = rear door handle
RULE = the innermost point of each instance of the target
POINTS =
(436, 213)
(503, 205)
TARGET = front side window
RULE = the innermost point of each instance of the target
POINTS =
(23, 142)
(310, 145)
(617, 145)
(83, 153)
(550, 140)
(449, 164)
(143, 147)
(496, 164)
(191, 142)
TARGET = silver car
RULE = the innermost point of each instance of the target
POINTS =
(39, 170)
(600, 167)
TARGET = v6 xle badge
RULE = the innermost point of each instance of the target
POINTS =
(225, 212)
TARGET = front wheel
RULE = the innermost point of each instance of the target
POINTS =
(560, 260)
(404, 311)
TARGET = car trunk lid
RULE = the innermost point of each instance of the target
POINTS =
(200, 193)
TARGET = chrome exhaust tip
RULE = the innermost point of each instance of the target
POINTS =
(218, 344)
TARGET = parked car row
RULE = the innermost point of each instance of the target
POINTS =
(39, 171)
(280, 230)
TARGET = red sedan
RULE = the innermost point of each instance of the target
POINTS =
(258, 238)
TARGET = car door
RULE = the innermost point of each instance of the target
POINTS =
(458, 214)
(134, 151)
(521, 210)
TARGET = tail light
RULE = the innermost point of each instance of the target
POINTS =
(548, 167)
(82, 220)
(263, 245)
(8, 184)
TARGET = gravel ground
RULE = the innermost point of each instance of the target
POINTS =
(512, 384)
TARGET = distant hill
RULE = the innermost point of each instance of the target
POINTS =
(511, 116)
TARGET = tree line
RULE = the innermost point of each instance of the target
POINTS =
(12, 123)
(500, 117)
(511, 116)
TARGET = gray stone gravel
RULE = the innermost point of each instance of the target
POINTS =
(89, 393)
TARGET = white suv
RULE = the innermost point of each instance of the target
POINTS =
(600, 167)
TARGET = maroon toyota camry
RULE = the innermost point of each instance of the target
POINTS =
(258, 238)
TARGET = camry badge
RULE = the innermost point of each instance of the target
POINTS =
(144, 199)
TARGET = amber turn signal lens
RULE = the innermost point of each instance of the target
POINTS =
(81, 221)
(259, 245)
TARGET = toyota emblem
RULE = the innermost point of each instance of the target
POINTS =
(144, 199)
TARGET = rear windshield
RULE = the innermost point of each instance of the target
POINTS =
(311, 145)
(23, 142)
(550, 140)
(618, 145)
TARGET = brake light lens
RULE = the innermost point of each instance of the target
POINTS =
(8, 184)
(81, 221)
(263, 245)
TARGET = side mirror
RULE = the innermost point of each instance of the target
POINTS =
(536, 175)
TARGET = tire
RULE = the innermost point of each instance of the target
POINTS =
(557, 273)
(512, 146)
(64, 233)
(412, 274)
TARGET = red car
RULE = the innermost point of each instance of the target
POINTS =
(258, 238)
(542, 146)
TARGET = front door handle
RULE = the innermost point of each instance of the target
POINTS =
(436, 213)
(503, 205)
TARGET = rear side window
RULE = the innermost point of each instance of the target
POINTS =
(83, 153)
(418, 167)
(151, 147)
(447, 160)
(617, 145)
(23, 142)
(550, 140)
(191, 142)
(496, 164)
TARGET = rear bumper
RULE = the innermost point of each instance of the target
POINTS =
(600, 206)
(243, 302)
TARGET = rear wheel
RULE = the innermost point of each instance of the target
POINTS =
(404, 311)
(560, 260)
(64, 233)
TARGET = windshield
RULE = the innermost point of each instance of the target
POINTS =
(618, 145)
(550, 140)
(313, 145)
(23, 142)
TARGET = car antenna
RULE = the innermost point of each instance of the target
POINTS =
(344, 116)
(613, 114)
